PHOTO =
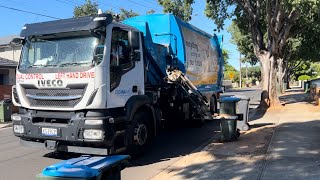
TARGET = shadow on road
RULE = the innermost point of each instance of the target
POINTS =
(258, 113)
(177, 142)
(295, 98)
(61, 155)
(171, 142)
(258, 125)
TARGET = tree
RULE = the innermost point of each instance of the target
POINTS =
(87, 9)
(244, 43)
(125, 14)
(245, 46)
(269, 24)
(91, 8)
(180, 8)
(254, 72)
(315, 70)
(299, 51)
(151, 11)
(230, 73)
(227, 66)
(302, 69)
(304, 78)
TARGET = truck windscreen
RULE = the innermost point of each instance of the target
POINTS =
(61, 52)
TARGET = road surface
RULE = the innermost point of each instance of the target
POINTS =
(19, 163)
(253, 93)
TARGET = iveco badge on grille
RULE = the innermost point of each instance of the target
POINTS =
(50, 83)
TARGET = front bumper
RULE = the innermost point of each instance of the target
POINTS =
(69, 148)
(69, 136)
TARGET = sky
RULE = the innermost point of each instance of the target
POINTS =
(12, 21)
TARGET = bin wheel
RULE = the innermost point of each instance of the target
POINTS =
(245, 127)
(238, 133)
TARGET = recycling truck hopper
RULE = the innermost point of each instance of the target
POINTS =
(93, 85)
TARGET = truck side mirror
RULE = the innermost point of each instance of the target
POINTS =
(17, 41)
(134, 39)
(98, 54)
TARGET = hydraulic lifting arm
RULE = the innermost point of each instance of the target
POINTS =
(195, 97)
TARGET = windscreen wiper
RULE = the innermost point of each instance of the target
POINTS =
(73, 63)
(41, 65)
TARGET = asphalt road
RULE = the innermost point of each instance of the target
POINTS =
(18, 162)
(253, 93)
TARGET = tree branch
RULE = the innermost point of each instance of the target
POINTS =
(298, 32)
(245, 8)
(258, 6)
(275, 12)
(297, 65)
(271, 32)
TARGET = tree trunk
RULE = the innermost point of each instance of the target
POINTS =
(269, 97)
(288, 80)
(273, 96)
(280, 75)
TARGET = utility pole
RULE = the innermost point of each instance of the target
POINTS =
(240, 72)
(246, 74)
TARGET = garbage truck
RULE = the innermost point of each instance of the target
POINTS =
(99, 86)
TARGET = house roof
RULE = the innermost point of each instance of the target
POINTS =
(5, 40)
(8, 63)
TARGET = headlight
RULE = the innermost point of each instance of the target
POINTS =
(93, 134)
(15, 118)
(93, 122)
(18, 129)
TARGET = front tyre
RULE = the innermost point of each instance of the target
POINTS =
(139, 133)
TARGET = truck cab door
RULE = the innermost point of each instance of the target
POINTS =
(126, 70)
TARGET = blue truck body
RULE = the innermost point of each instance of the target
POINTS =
(191, 46)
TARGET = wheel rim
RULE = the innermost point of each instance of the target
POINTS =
(140, 134)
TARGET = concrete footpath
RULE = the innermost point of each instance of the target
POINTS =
(282, 144)
(5, 125)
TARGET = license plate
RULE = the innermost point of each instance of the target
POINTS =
(49, 132)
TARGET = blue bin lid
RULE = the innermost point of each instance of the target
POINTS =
(229, 99)
(84, 166)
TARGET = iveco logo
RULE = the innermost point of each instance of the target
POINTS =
(50, 83)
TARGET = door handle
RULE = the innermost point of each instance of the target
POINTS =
(134, 89)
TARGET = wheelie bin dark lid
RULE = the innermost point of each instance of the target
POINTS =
(5, 101)
(229, 99)
(84, 166)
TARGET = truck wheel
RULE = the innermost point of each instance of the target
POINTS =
(213, 104)
(139, 134)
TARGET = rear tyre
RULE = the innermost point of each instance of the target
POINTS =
(213, 105)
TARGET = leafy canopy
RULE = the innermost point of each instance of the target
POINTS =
(180, 8)
(227, 66)
(91, 8)
(244, 43)
(268, 23)
(87, 9)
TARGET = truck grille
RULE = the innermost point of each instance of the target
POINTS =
(54, 92)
